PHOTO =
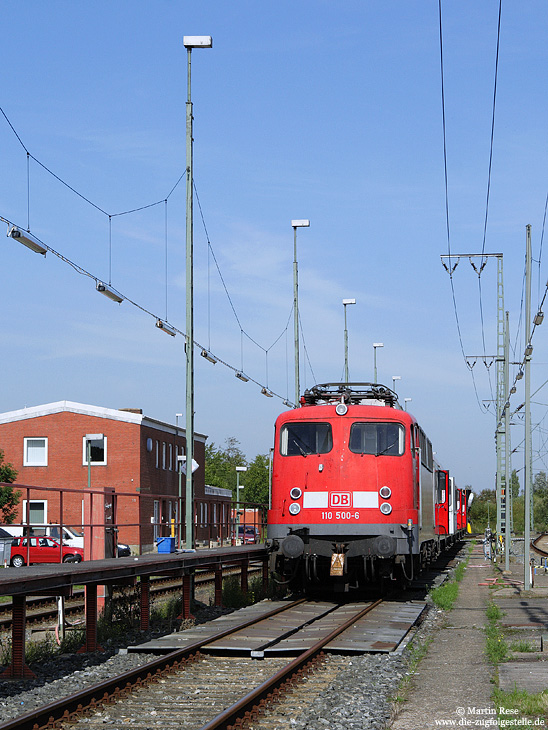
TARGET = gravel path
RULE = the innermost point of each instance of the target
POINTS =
(455, 674)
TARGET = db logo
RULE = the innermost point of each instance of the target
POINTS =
(340, 499)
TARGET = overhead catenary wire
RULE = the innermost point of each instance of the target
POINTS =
(447, 218)
(110, 216)
(84, 272)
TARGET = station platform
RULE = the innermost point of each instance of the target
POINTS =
(56, 578)
(454, 682)
(59, 579)
(525, 614)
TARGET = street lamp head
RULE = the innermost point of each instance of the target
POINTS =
(378, 344)
(348, 301)
(303, 223)
(241, 468)
(197, 41)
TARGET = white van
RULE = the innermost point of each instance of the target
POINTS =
(70, 535)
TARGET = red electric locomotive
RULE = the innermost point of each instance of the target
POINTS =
(356, 493)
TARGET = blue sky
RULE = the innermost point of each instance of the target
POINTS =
(319, 110)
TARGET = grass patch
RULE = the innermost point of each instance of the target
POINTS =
(493, 613)
(521, 645)
(495, 644)
(416, 651)
(527, 705)
(167, 612)
(39, 651)
(444, 596)
(234, 597)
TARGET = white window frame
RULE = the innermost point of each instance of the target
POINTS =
(156, 520)
(170, 458)
(26, 462)
(35, 501)
(163, 455)
(85, 453)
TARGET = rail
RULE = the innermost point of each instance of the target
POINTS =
(91, 697)
(249, 705)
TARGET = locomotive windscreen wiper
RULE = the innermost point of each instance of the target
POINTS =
(303, 452)
(380, 453)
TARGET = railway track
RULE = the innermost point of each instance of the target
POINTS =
(228, 669)
(42, 610)
(540, 545)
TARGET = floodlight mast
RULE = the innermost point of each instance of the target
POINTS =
(189, 43)
(345, 303)
(300, 223)
(375, 345)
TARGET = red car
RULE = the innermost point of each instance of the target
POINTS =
(42, 550)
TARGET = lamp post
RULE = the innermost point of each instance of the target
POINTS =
(345, 303)
(179, 472)
(375, 345)
(296, 224)
(238, 470)
(189, 43)
(394, 378)
(406, 401)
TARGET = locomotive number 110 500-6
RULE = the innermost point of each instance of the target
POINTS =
(341, 515)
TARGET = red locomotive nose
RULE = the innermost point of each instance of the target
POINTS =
(356, 493)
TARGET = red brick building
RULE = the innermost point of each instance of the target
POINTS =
(132, 454)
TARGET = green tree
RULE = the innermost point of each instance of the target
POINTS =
(540, 483)
(483, 510)
(514, 484)
(9, 497)
(540, 501)
(256, 481)
(221, 463)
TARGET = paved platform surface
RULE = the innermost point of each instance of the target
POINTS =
(531, 676)
(455, 674)
(526, 611)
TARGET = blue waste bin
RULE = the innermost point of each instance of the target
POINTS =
(166, 544)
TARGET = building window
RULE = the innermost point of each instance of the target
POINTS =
(170, 462)
(36, 452)
(163, 454)
(98, 451)
(37, 512)
(157, 454)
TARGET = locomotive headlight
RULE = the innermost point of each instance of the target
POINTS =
(385, 508)
(295, 493)
(385, 492)
(341, 409)
(295, 508)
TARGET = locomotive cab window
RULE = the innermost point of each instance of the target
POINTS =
(301, 439)
(379, 439)
(440, 492)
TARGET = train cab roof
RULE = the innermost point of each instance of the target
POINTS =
(365, 400)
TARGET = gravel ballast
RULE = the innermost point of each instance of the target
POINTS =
(360, 696)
